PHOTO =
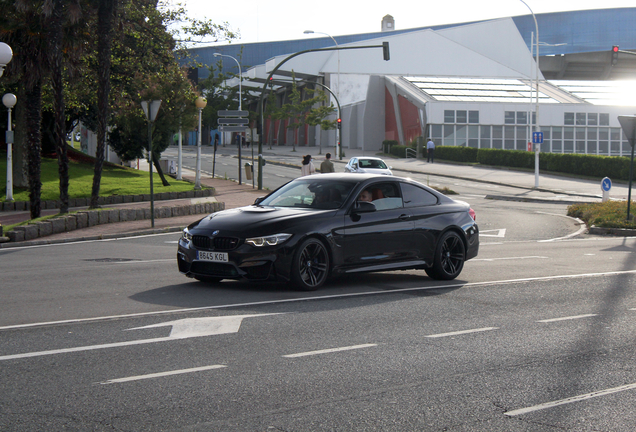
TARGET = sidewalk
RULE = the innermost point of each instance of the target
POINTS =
(551, 188)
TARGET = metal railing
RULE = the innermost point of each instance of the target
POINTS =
(411, 153)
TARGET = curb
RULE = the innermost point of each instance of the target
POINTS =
(620, 232)
(23, 235)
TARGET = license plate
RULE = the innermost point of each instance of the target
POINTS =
(212, 256)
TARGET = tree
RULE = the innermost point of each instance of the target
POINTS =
(300, 110)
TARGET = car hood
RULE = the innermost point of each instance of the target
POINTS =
(245, 220)
(375, 171)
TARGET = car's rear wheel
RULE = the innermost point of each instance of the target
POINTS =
(208, 279)
(450, 255)
(311, 265)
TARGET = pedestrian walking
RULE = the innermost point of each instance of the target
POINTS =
(430, 151)
(308, 167)
(327, 166)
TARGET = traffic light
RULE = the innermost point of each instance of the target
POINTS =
(385, 51)
(339, 122)
(615, 54)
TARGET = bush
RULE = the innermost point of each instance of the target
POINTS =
(609, 214)
(456, 154)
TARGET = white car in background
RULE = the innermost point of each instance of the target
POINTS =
(369, 165)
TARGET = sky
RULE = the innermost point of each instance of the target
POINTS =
(274, 20)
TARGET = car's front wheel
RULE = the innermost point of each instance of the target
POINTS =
(450, 255)
(311, 265)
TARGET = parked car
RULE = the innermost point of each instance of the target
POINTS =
(369, 165)
(315, 227)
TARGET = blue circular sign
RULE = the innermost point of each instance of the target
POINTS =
(606, 184)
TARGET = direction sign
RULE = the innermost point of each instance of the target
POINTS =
(226, 128)
(233, 121)
(606, 184)
(537, 137)
(232, 113)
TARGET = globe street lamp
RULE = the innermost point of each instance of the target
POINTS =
(200, 103)
(338, 152)
(9, 100)
(6, 54)
(151, 108)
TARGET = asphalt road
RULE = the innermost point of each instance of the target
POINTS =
(536, 334)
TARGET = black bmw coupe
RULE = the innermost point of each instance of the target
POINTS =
(324, 225)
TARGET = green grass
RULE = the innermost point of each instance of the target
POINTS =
(609, 214)
(114, 181)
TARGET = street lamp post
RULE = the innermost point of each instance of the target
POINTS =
(200, 103)
(9, 100)
(151, 108)
(536, 121)
(338, 152)
(6, 54)
(240, 94)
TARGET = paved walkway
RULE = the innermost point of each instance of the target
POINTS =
(551, 187)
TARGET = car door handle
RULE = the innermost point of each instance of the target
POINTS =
(405, 216)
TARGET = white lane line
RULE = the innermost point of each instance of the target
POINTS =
(569, 400)
(326, 297)
(462, 332)
(162, 374)
(330, 350)
(84, 348)
(510, 258)
(581, 230)
(567, 318)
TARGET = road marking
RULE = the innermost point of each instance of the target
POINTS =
(510, 258)
(462, 332)
(326, 297)
(162, 374)
(567, 318)
(181, 329)
(569, 400)
(500, 233)
(581, 229)
(330, 350)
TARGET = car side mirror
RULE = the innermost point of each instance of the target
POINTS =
(259, 200)
(390, 167)
(354, 166)
(363, 207)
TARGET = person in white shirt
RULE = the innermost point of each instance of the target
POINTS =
(308, 167)
(430, 151)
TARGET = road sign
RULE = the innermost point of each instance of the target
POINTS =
(537, 137)
(232, 113)
(233, 128)
(628, 123)
(606, 184)
(233, 121)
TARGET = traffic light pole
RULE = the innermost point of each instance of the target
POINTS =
(261, 120)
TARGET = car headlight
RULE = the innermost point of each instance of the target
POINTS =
(272, 240)
(186, 235)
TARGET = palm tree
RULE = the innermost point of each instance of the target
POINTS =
(106, 13)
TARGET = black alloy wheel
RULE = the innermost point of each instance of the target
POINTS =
(311, 265)
(450, 255)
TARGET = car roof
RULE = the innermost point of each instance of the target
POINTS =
(366, 157)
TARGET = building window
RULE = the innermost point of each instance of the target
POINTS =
(449, 135)
(510, 117)
(522, 117)
(522, 136)
(473, 117)
(461, 136)
(592, 119)
(580, 140)
(449, 116)
(473, 136)
(545, 147)
(557, 137)
(509, 137)
(461, 117)
(568, 140)
(603, 119)
(568, 118)
(485, 137)
(436, 131)
(580, 119)
(497, 137)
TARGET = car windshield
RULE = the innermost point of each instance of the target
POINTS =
(372, 163)
(311, 194)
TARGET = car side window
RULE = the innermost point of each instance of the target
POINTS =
(415, 196)
(385, 196)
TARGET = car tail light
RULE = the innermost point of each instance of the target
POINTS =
(472, 214)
